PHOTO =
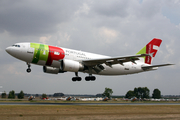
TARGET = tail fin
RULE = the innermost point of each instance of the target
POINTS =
(151, 48)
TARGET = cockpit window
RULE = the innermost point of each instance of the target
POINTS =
(16, 45)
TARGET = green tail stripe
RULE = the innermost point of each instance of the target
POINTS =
(142, 51)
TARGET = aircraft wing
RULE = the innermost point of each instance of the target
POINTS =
(113, 60)
(154, 66)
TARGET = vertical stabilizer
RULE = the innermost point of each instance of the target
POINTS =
(151, 48)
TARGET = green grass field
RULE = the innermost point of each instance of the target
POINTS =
(125, 112)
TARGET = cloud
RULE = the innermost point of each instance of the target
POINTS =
(170, 49)
(111, 8)
(11, 69)
(83, 10)
(44, 40)
(107, 35)
(35, 17)
(63, 37)
(170, 10)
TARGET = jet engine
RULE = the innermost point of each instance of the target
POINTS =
(71, 65)
(52, 70)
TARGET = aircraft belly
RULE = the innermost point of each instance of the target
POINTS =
(55, 63)
(114, 70)
(27, 57)
(28, 53)
(41, 62)
(121, 70)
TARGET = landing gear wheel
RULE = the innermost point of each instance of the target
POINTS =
(87, 78)
(79, 79)
(74, 79)
(92, 78)
(28, 70)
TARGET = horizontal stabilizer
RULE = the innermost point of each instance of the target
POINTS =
(154, 66)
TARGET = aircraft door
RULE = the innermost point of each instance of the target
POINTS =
(30, 50)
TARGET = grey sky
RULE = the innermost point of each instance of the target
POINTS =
(109, 27)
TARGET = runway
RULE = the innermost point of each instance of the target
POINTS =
(47, 103)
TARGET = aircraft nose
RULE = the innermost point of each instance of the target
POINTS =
(8, 49)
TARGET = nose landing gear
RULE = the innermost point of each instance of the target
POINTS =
(29, 69)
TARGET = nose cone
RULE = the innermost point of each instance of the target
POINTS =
(8, 50)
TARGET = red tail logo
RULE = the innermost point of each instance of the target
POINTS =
(152, 48)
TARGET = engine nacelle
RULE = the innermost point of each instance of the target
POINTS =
(52, 70)
(71, 65)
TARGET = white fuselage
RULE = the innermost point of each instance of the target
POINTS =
(25, 53)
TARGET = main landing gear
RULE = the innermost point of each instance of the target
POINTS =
(29, 69)
(77, 78)
(90, 78)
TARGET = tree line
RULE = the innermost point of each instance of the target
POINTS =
(143, 92)
(107, 93)
(12, 95)
(140, 92)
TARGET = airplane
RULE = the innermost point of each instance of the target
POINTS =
(31, 98)
(133, 99)
(105, 99)
(65, 98)
(59, 60)
(94, 99)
